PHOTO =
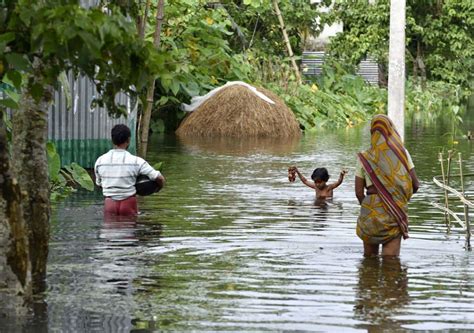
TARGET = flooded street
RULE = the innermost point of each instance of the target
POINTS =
(230, 244)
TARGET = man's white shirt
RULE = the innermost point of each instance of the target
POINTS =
(117, 171)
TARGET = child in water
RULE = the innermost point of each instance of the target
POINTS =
(320, 177)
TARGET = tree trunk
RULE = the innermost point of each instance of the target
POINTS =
(143, 19)
(145, 119)
(421, 64)
(30, 128)
(287, 41)
(15, 272)
(415, 68)
(382, 75)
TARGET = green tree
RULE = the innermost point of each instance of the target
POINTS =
(260, 27)
(194, 55)
(38, 41)
(439, 36)
(442, 36)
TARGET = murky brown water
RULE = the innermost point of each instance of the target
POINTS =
(231, 245)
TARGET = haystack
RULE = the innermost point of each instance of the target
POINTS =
(236, 111)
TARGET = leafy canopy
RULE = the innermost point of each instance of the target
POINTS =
(41, 39)
(260, 27)
(438, 33)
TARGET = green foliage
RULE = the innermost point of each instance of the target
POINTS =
(336, 99)
(63, 181)
(445, 32)
(42, 39)
(158, 166)
(365, 32)
(194, 54)
(195, 50)
(202, 47)
(439, 36)
(261, 31)
(437, 99)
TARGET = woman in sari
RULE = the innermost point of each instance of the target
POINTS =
(385, 181)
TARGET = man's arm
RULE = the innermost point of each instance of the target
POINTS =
(160, 180)
(98, 180)
(147, 170)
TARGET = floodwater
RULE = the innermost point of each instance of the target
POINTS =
(231, 245)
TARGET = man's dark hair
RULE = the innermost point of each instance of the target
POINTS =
(320, 174)
(120, 134)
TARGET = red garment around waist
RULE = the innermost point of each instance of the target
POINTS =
(127, 207)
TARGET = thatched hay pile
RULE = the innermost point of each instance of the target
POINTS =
(235, 111)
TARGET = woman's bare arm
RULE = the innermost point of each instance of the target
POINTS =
(359, 189)
(414, 180)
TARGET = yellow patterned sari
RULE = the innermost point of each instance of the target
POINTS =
(383, 216)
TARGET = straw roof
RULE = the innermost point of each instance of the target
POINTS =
(235, 111)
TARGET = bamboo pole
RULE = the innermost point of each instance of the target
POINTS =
(449, 160)
(466, 209)
(145, 119)
(447, 218)
(455, 192)
(287, 41)
(450, 212)
(464, 175)
(448, 172)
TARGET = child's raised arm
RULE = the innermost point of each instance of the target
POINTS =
(339, 181)
(303, 179)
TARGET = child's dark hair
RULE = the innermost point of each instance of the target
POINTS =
(120, 134)
(320, 174)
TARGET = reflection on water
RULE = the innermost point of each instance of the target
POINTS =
(381, 293)
(119, 229)
(229, 244)
(233, 146)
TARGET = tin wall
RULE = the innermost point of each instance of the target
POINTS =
(82, 133)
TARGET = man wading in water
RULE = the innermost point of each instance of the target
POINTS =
(116, 172)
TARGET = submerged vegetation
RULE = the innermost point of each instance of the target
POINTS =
(64, 180)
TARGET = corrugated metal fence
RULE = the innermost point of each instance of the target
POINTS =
(82, 133)
(312, 65)
(89, 3)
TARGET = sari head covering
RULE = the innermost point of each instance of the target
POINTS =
(383, 216)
